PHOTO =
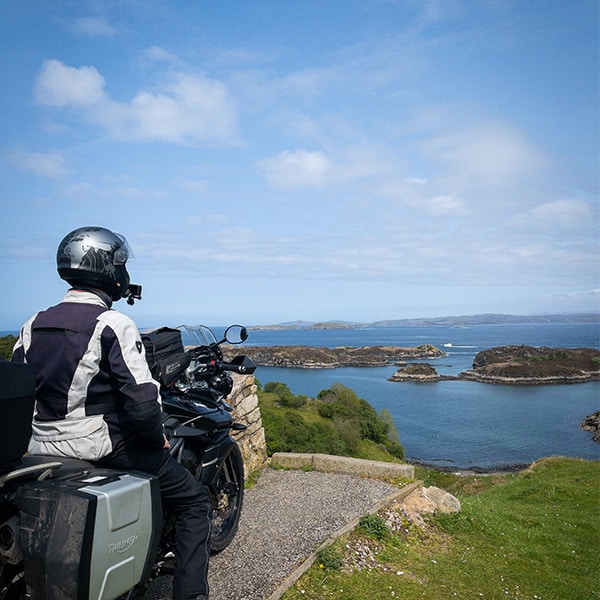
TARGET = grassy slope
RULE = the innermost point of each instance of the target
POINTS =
(532, 535)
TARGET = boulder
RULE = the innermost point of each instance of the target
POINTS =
(444, 501)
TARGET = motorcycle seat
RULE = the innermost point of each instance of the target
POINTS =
(40, 467)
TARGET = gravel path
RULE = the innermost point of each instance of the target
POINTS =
(285, 517)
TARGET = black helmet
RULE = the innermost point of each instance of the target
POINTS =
(95, 257)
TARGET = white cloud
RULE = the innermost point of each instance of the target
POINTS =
(591, 294)
(558, 218)
(584, 300)
(495, 156)
(43, 164)
(194, 186)
(59, 85)
(157, 54)
(93, 27)
(297, 169)
(191, 109)
(444, 205)
(562, 212)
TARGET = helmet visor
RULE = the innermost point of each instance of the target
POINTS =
(123, 252)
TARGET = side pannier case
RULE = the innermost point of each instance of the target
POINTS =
(92, 536)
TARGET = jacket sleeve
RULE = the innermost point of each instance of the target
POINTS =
(23, 341)
(130, 371)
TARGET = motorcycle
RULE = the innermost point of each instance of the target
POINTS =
(72, 530)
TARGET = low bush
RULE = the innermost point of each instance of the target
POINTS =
(330, 557)
(373, 526)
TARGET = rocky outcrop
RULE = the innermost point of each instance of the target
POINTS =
(527, 365)
(310, 357)
(592, 424)
(244, 401)
(419, 373)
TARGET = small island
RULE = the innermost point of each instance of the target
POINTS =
(311, 357)
(419, 373)
(527, 365)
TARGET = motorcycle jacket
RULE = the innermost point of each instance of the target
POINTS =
(94, 390)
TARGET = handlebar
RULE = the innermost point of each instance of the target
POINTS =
(240, 364)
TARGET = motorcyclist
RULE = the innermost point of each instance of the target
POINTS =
(96, 399)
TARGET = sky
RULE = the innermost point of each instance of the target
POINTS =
(272, 161)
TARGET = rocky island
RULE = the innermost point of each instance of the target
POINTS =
(419, 373)
(310, 357)
(526, 365)
(592, 424)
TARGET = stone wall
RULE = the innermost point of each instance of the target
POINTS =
(251, 441)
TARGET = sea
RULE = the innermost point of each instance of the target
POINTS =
(458, 424)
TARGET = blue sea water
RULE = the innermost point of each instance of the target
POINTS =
(459, 424)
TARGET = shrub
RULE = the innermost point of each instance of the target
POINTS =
(330, 557)
(341, 404)
(288, 431)
(374, 526)
(284, 395)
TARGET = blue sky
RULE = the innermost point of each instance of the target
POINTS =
(271, 161)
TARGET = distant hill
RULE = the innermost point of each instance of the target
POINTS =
(453, 321)
(493, 319)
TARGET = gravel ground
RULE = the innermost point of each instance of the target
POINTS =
(285, 517)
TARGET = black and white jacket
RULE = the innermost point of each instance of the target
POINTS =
(94, 390)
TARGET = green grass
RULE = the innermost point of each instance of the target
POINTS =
(533, 535)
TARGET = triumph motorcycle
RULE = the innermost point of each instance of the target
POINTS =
(70, 530)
